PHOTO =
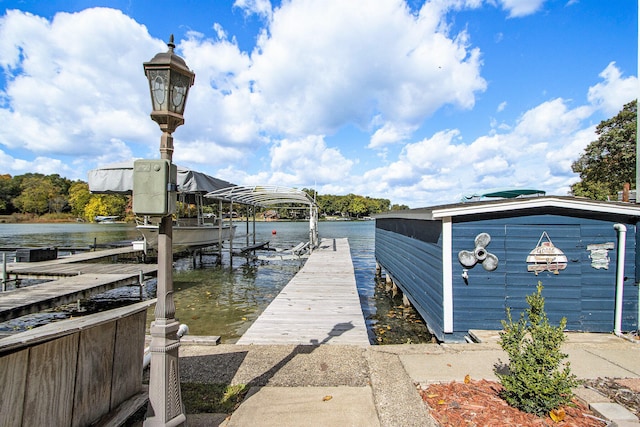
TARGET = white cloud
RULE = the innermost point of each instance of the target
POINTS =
(73, 83)
(307, 159)
(43, 165)
(536, 151)
(615, 91)
(390, 133)
(520, 8)
(324, 65)
(551, 118)
(258, 7)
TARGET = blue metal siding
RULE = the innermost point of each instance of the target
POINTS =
(416, 267)
(581, 293)
(478, 302)
(561, 291)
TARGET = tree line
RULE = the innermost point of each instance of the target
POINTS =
(35, 194)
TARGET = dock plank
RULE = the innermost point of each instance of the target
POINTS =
(35, 298)
(320, 305)
(70, 279)
(45, 270)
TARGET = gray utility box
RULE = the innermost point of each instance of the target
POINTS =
(154, 187)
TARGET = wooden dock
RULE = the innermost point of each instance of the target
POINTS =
(72, 278)
(320, 305)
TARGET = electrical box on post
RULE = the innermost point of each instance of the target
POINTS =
(154, 187)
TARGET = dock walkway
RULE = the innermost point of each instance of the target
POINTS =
(71, 279)
(320, 305)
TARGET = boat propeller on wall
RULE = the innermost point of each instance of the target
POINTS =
(480, 254)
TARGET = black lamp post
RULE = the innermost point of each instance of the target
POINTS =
(169, 83)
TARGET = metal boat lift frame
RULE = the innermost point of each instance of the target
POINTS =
(269, 196)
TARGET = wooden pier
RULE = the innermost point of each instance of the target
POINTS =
(72, 278)
(320, 305)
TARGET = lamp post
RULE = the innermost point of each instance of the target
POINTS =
(169, 83)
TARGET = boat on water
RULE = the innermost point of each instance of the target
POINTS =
(188, 233)
(188, 237)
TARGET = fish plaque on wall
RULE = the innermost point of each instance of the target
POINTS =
(480, 254)
(546, 257)
(599, 255)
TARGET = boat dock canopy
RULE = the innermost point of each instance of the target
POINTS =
(117, 178)
(263, 196)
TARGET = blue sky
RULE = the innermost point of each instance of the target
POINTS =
(419, 102)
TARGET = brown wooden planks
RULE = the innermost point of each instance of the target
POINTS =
(50, 383)
(13, 377)
(33, 299)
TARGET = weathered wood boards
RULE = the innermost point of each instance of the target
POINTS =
(75, 279)
(74, 372)
(320, 305)
(33, 299)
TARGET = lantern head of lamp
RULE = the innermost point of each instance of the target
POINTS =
(169, 83)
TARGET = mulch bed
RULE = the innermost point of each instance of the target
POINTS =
(477, 403)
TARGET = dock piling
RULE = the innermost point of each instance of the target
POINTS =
(4, 272)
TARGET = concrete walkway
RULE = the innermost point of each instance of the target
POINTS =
(339, 385)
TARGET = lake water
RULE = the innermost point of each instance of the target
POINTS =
(225, 298)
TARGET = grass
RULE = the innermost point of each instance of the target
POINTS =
(212, 398)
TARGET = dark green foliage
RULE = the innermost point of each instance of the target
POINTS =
(537, 381)
(610, 161)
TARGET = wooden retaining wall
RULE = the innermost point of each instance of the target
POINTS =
(73, 372)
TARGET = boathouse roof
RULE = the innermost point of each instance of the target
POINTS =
(515, 206)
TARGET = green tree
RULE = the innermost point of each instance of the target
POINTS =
(609, 162)
(9, 190)
(105, 204)
(36, 194)
(396, 207)
(79, 197)
(357, 206)
(537, 381)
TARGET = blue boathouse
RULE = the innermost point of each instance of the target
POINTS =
(462, 265)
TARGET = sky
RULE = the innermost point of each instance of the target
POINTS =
(416, 101)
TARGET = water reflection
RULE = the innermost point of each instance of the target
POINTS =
(219, 300)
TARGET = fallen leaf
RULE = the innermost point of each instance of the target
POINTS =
(557, 415)
(327, 397)
(441, 402)
(467, 379)
(432, 395)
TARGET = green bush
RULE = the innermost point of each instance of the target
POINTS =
(536, 380)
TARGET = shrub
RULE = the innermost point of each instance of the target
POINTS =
(537, 381)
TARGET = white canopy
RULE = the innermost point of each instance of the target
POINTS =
(263, 196)
(117, 178)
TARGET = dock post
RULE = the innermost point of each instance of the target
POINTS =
(231, 234)
(141, 283)
(4, 271)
